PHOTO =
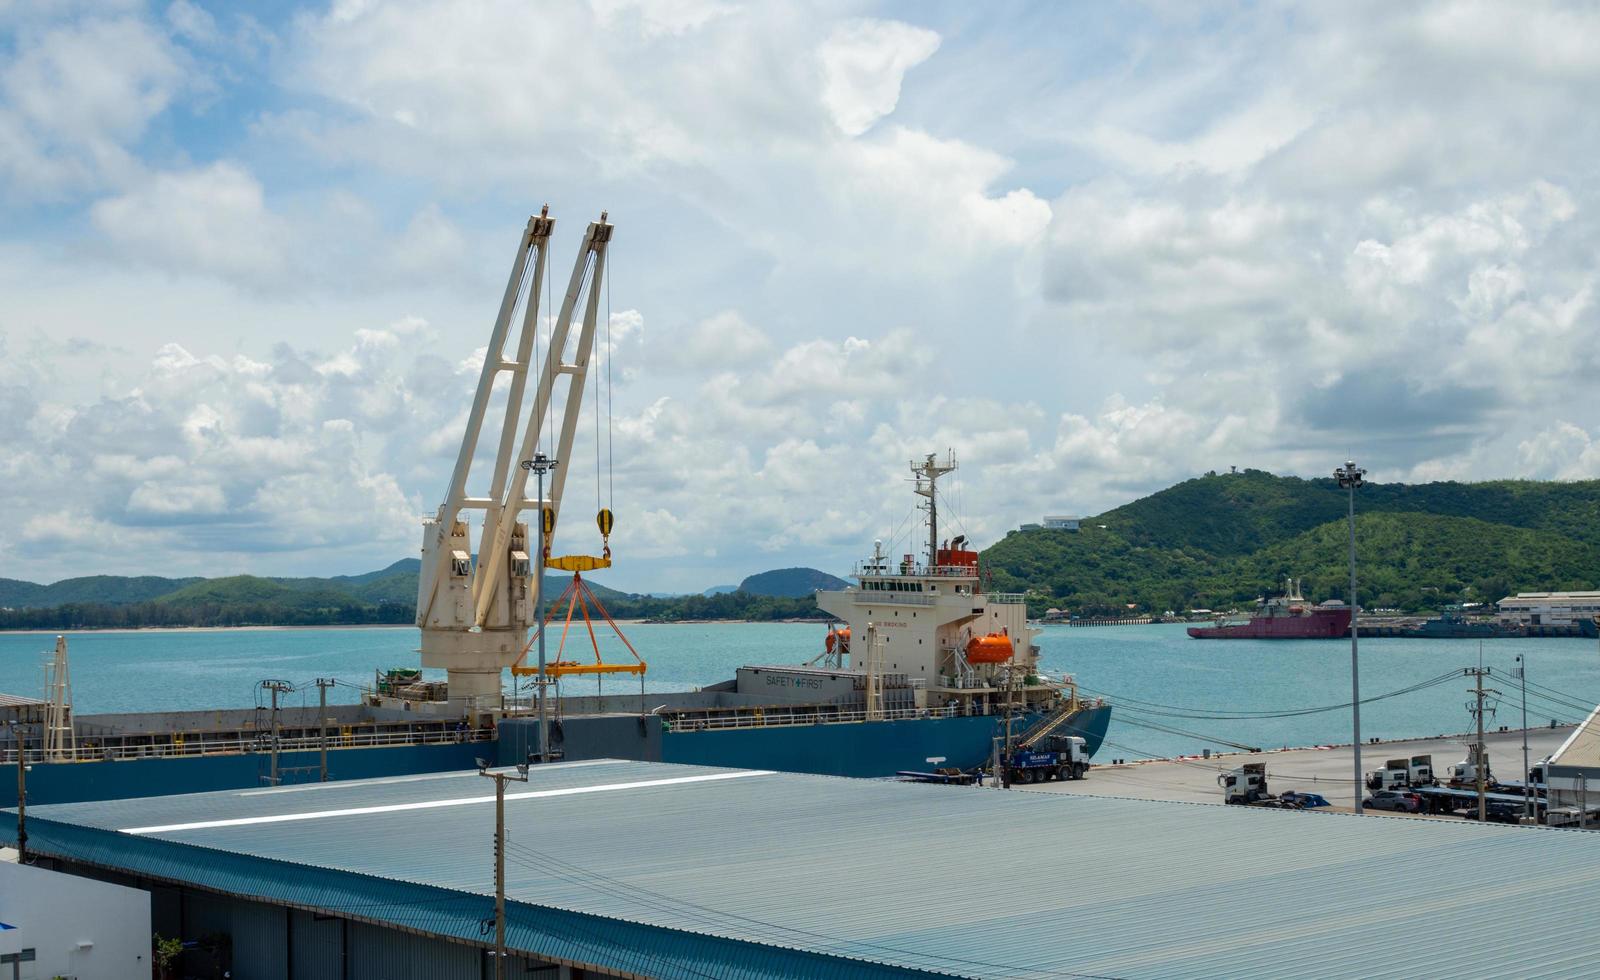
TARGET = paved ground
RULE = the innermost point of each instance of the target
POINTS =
(1325, 771)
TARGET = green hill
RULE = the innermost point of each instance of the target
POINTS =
(790, 583)
(387, 595)
(109, 589)
(1220, 541)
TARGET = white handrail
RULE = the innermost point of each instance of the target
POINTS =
(259, 744)
(774, 719)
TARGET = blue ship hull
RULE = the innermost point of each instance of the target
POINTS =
(861, 749)
(865, 749)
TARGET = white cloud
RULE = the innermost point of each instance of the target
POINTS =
(74, 99)
(863, 63)
(212, 220)
(1092, 255)
(723, 340)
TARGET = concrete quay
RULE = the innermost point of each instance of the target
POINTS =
(1313, 770)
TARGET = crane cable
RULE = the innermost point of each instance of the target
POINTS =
(611, 474)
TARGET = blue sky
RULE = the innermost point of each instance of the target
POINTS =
(248, 261)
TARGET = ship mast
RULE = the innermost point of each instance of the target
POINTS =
(927, 475)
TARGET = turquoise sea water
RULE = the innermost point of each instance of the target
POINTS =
(1134, 666)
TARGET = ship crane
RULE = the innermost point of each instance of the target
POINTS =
(475, 615)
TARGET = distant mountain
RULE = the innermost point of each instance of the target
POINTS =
(720, 590)
(387, 596)
(1219, 541)
(112, 590)
(790, 583)
(395, 585)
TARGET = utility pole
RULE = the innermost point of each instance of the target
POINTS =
(1527, 778)
(276, 687)
(1480, 758)
(22, 796)
(323, 683)
(1350, 478)
(541, 464)
(500, 780)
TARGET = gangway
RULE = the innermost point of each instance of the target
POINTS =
(1048, 724)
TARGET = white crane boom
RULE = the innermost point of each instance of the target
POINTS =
(475, 616)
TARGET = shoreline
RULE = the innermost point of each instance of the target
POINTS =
(66, 631)
(202, 629)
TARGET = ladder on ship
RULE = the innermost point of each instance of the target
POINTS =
(1047, 725)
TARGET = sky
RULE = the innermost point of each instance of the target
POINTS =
(250, 256)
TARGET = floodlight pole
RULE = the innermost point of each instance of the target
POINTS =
(323, 683)
(1527, 777)
(1350, 478)
(541, 464)
(500, 780)
(22, 795)
(276, 687)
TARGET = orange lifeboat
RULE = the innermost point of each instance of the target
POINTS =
(992, 649)
(841, 638)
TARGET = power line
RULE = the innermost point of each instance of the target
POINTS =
(1200, 714)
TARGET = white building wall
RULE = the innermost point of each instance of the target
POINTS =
(78, 927)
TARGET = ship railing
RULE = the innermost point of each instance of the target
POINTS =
(778, 719)
(898, 570)
(261, 744)
(866, 596)
(1006, 598)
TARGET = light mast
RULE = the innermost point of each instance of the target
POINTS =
(475, 610)
(927, 475)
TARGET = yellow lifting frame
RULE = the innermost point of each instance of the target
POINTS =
(579, 596)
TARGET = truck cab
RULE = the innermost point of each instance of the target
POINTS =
(1246, 784)
(1421, 770)
(1396, 773)
(1464, 774)
(1053, 757)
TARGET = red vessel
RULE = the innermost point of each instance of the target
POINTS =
(1285, 617)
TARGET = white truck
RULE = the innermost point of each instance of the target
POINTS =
(1246, 784)
(1409, 773)
(1464, 774)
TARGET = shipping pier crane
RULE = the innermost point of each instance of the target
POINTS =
(475, 615)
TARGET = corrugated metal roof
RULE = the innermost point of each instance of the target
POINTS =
(923, 878)
(1582, 747)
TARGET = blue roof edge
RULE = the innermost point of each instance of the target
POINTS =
(558, 935)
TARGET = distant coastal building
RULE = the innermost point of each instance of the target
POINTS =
(1549, 608)
(1055, 524)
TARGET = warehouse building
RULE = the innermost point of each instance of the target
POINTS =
(1572, 776)
(1549, 608)
(646, 869)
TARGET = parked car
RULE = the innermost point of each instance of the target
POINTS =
(1393, 799)
(1496, 811)
(1305, 801)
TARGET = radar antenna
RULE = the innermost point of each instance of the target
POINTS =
(927, 475)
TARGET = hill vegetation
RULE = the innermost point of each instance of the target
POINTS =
(1213, 542)
(790, 583)
(385, 596)
(1220, 541)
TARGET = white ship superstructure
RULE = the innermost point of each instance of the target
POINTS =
(922, 632)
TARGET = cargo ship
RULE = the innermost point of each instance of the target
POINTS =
(926, 668)
(923, 669)
(1284, 617)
